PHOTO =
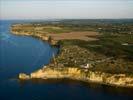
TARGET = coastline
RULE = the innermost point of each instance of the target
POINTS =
(45, 38)
(120, 80)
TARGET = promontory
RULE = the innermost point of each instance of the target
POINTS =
(87, 52)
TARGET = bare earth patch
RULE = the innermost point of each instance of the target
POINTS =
(87, 36)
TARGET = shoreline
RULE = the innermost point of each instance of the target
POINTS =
(122, 81)
(117, 80)
(42, 38)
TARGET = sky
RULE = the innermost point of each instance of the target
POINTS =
(66, 9)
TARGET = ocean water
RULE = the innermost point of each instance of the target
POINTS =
(27, 54)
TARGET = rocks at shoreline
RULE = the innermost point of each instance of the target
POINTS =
(24, 76)
(81, 75)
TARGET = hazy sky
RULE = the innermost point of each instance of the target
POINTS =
(51, 9)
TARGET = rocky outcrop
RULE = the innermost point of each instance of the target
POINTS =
(82, 75)
(24, 76)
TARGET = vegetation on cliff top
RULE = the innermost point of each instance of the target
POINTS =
(115, 41)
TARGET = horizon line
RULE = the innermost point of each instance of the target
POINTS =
(62, 18)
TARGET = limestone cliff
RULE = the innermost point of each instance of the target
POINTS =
(44, 37)
(82, 75)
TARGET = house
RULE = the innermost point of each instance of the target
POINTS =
(124, 44)
(86, 66)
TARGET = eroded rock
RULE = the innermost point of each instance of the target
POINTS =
(24, 76)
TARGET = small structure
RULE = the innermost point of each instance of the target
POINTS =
(125, 44)
(130, 32)
(99, 28)
(86, 66)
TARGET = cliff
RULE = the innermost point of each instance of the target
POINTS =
(44, 37)
(82, 75)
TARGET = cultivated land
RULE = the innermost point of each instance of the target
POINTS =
(86, 36)
(91, 50)
(58, 32)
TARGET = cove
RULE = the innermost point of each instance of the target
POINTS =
(21, 53)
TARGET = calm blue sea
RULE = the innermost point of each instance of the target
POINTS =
(26, 54)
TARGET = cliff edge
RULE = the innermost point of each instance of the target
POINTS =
(80, 74)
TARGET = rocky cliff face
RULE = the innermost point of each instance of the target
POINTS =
(82, 75)
(44, 37)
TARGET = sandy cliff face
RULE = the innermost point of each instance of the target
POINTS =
(43, 37)
(56, 73)
(83, 75)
